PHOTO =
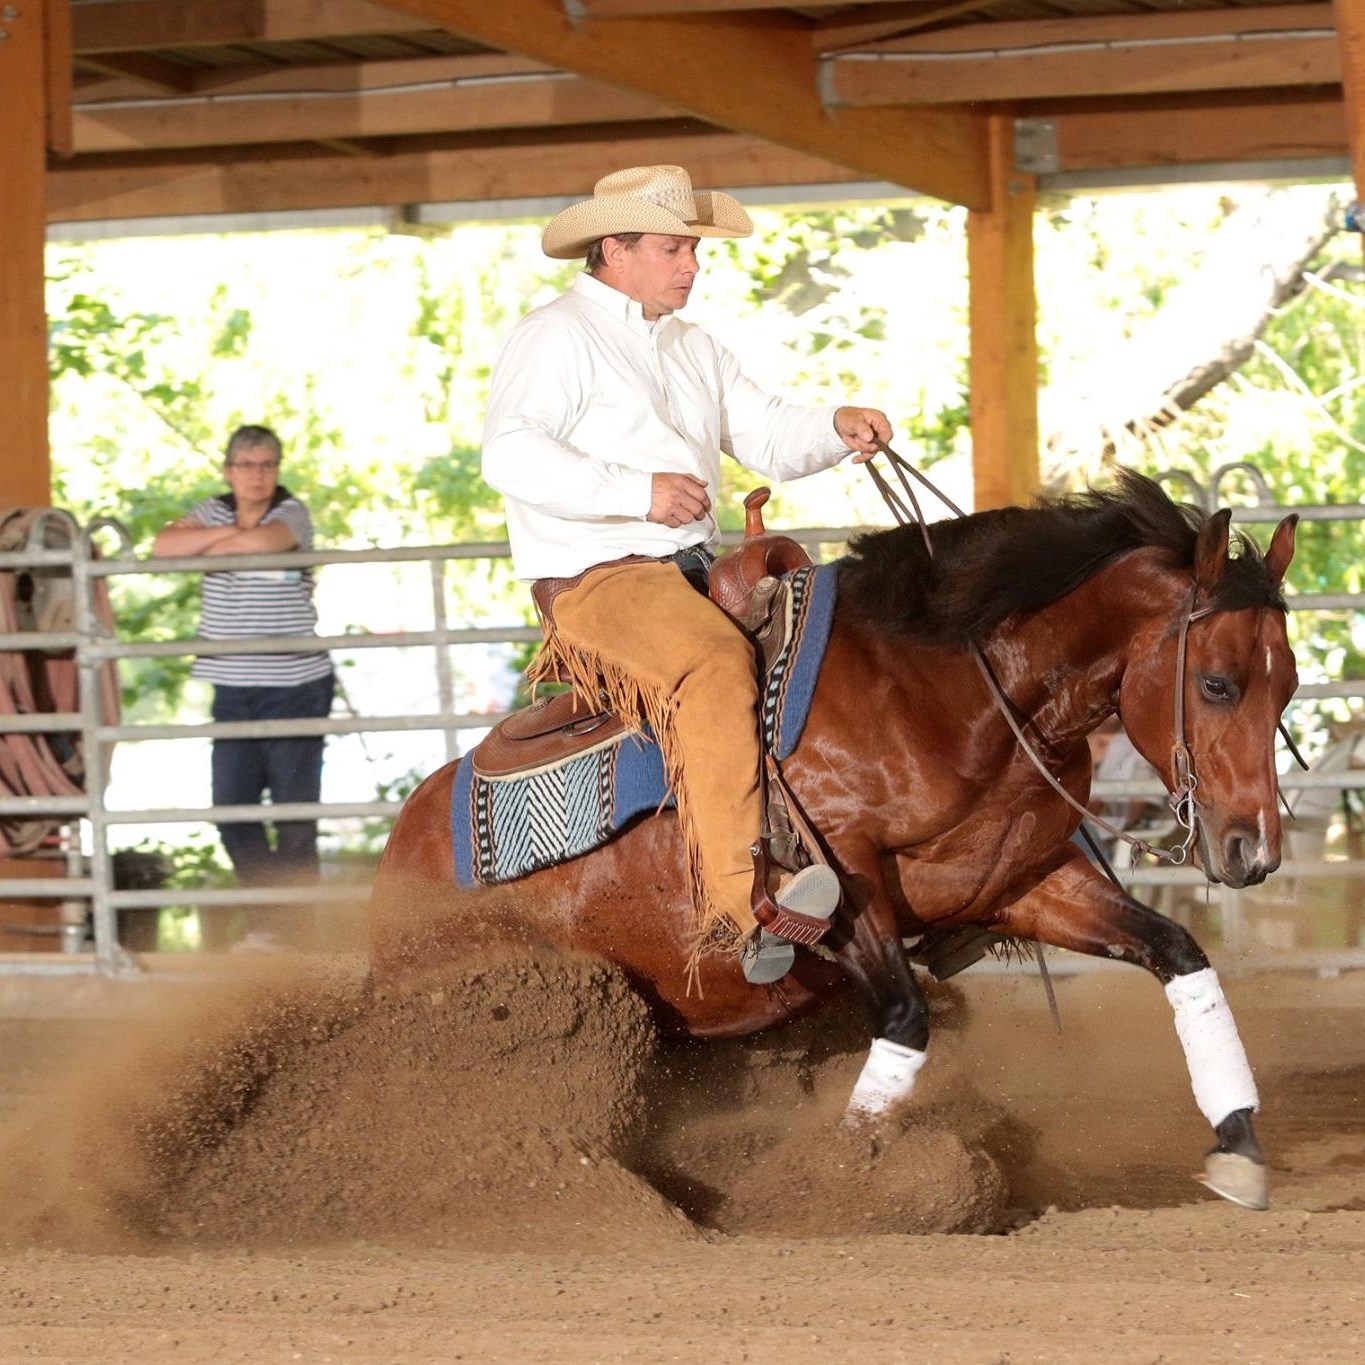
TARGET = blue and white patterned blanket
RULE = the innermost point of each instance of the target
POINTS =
(504, 828)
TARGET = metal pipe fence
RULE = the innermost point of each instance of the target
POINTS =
(87, 893)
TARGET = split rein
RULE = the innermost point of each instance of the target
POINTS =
(1181, 800)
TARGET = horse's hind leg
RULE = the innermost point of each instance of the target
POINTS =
(1075, 907)
(873, 956)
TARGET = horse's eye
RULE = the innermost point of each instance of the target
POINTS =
(1218, 689)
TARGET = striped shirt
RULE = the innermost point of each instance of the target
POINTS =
(254, 602)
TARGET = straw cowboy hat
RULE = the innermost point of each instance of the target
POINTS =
(643, 199)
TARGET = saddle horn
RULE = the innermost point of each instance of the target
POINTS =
(753, 513)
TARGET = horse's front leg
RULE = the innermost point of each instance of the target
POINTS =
(869, 948)
(1074, 906)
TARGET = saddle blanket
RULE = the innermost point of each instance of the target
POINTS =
(504, 828)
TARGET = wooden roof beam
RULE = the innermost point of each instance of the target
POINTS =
(323, 78)
(340, 77)
(1118, 55)
(461, 169)
(751, 72)
(553, 162)
(1173, 27)
(140, 25)
(533, 101)
(1284, 126)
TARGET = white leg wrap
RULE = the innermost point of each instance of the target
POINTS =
(887, 1078)
(1219, 1071)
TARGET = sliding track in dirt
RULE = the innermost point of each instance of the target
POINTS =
(504, 1163)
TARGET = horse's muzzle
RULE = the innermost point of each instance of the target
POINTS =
(1239, 858)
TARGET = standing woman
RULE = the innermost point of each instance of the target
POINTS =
(259, 516)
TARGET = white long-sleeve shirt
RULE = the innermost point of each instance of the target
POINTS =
(589, 400)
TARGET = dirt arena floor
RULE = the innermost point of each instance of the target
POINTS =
(264, 1164)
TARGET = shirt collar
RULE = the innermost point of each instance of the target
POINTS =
(620, 306)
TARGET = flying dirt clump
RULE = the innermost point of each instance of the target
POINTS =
(484, 1109)
(507, 1102)
(748, 1136)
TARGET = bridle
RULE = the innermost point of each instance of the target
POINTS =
(1182, 801)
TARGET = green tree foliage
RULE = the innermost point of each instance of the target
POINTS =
(370, 353)
(1295, 410)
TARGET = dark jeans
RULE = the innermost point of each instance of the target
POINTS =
(288, 767)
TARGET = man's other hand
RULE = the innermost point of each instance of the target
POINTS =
(678, 499)
(862, 429)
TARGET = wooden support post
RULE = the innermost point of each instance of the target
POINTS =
(1002, 316)
(25, 477)
(57, 77)
(1351, 43)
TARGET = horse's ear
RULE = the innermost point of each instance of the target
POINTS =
(1281, 549)
(1211, 552)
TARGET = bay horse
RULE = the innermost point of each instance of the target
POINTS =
(1111, 600)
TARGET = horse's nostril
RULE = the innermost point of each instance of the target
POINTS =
(1247, 861)
(1239, 857)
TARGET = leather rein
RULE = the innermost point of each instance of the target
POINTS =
(1181, 800)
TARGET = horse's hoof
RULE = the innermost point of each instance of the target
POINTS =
(766, 959)
(1236, 1178)
(860, 1120)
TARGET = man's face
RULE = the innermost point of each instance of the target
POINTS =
(657, 271)
(253, 473)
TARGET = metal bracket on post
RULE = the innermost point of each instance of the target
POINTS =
(1035, 146)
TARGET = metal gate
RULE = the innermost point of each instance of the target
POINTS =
(87, 895)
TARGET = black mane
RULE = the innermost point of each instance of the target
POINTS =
(991, 565)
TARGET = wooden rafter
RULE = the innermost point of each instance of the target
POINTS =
(368, 75)
(324, 78)
(458, 168)
(1167, 29)
(531, 101)
(1113, 55)
(751, 72)
(140, 25)
(1278, 126)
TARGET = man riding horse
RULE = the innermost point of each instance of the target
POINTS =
(606, 418)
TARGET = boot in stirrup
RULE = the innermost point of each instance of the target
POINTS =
(800, 912)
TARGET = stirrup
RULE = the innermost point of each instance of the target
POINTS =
(803, 912)
(765, 958)
(805, 904)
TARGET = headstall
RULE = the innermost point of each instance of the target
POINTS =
(1181, 800)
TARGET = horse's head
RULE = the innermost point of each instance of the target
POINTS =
(1236, 677)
